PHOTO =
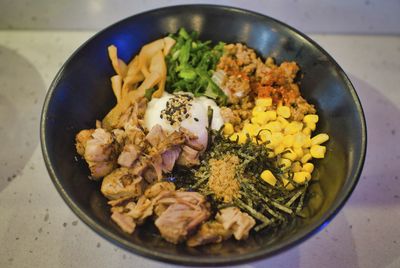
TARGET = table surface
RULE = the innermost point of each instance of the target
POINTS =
(37, 229)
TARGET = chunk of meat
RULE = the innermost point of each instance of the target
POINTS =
(239, 223)
(156, 135)
(126, 223)
(141, 210)
(128, 155)
(125, 112)
(155, 189)
(153, 172)
(209, 232)
(121, 183)
(98, 149)
(192, 140)
(134, 135)
(186, 211)
(128, 214)
(81, 139)
(119, 136)
(169, 158)
(161, 154)
(189, 157)
(99, 170)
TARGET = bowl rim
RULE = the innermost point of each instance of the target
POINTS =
(216, 260)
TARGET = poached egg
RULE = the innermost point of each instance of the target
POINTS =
(173, 111)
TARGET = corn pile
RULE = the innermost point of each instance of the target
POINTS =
(289, 141)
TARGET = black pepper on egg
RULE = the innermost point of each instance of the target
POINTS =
(177, 109)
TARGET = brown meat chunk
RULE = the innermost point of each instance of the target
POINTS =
(81, 139)
(169, 158)
(186, 211)
(121, 183)
(99, 151)
(239, 223)
(125, 222)
(209, 232)
(189, 157)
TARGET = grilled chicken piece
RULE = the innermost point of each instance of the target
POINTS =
(98, 149)
(156, 135)
(155, 189)
(128, 155)
(81, 139)
(189, 157)
(141, 210)
(192, 140)
(161, 156)
(186, 211)
(169, 158)
(239, 223)
(228, 221)
(122, 184)
(209, 232)
(131, 214)
(126, 223)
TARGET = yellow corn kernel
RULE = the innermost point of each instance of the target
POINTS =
(260, 118)
(258, 109)
(234, 137)
(276, 138)
(271, 154)
(308, 167)
(298, 139)
(270, 146)
(268, 177)
(274, 126)
(271, 115)
(287, 184)
(284, 163)
(318, 151)
(293, 127)
(311, 126)
(264, 102)
(296, 166)
(228, 129)
(290, 155)
(306, 131)
(265, 135)
(283, 111)
(279, 149)
(299, 152)
(288, 140)
(311, 118)
(306, 157)
(240, 138)
(307, 142)
(251, 129)
(319, 139)
(301, 176)
(283, 121)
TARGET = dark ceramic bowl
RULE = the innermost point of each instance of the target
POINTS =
(81, 93)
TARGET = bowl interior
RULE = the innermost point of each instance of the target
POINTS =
(81, 93)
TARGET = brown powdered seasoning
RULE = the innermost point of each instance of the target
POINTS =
(222, 179)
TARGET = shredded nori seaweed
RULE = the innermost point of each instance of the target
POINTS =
(271, 206)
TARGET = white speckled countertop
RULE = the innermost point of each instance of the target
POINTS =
(37, 229)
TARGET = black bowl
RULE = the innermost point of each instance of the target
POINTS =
(81, 93)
